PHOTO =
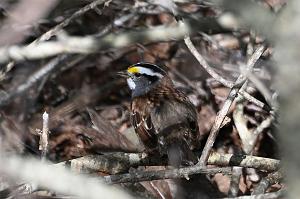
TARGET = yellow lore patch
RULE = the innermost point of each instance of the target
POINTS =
(133, 70)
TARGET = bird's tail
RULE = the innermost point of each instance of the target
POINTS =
(180, 154)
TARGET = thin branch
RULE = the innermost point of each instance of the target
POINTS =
(217, 124)
(205, 65)
(247, 137)
(43, 145)
(253, 100)
(263, 125)
(35, 77)
(262, 88)
(53, 31)
(227, 104)
(266, 182)
(218, 77)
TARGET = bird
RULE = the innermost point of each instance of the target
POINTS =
(163, 117)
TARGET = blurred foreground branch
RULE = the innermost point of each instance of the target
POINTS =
(89, 44)
(24, 15)
(57, 179)
(288, 59)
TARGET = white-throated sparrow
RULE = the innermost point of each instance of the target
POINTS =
(163, 117)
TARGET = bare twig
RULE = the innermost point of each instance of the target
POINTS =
(247, 137)
(219, 78)
(222, 113)
(47, 35)
(7, 68)
(253, 100)
(109, 163)
(205, 65)
(241, 126)
(44, 134)
(217, 124)
(121, 162)
(248, 141)
(266, 182)
(265, 164)
(263, 125)
(262, 88)
(33, 79)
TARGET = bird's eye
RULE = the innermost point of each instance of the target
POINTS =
(138, 74)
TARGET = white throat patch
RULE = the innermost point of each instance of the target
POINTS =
(131, 84)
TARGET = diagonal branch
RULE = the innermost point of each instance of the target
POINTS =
(218, 77)
(227, 104)
(121, 162)
(53, 31)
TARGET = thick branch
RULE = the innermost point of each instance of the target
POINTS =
(121, 162)
(266, 164)
(90, 44)
(140, 176)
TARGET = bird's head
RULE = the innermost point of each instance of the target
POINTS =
(142, 77)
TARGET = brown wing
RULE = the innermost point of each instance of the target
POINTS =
(175, 109)
(142, 123)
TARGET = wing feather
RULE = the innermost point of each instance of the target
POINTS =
(145, 130)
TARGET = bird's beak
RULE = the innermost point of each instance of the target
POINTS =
(123, 74)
